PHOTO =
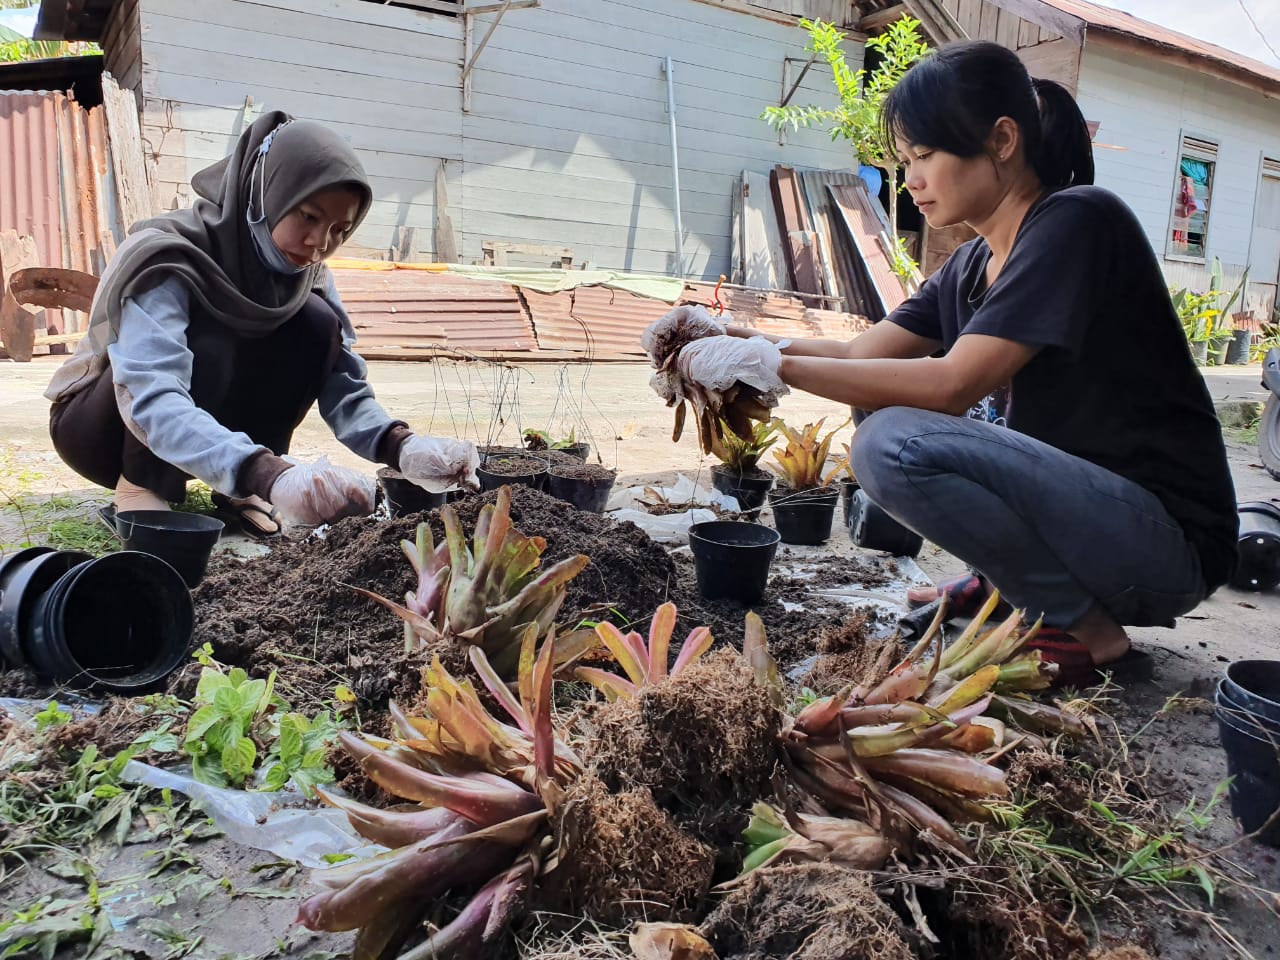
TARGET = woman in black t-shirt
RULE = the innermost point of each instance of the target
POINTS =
(1012, 426)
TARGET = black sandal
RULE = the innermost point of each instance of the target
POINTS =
(246, 516)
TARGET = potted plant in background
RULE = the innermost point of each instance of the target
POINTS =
(1197, 313)
(539, 440)
(804, 499)
(738, 474)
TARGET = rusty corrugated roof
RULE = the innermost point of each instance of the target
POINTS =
(1106, 20)
(405, 312)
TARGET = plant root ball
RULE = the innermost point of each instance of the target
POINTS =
(703, 741)
(810, 911)
(623, 859)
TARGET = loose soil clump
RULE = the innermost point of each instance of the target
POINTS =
(704, 742)
(853, 651)
(808, 912)
(622, 858)
(503, 466)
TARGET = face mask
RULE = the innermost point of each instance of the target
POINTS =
(270, 255)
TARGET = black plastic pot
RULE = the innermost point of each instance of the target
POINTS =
(1254, 767)
(847, 489)
(120, 623)
(1238, 348)
(24, 576)
(182, 540)
(584, 493)
(403, 496)
(749, 491)
(1254, 687)
(1258, 546)
(873, 529)
(579, 451)
(732, 559)
(804, 517)
(492, 481)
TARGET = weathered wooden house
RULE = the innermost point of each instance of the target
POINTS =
(553, 128)
(540, 122)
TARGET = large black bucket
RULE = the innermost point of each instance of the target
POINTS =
(1253, 761)
(804, 517)
(120, 623)
(182, 540)
(1258, 546)
(732, 559)
(530, 477)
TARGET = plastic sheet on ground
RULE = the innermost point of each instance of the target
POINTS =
(672, 528)
(282, 822)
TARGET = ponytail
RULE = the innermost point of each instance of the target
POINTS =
(951, 99)
(1063, 157)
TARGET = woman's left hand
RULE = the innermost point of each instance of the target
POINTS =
(438, 463)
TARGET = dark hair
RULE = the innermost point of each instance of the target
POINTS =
(952, 98)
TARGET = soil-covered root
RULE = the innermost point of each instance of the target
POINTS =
(812, 911)
(704, 742)
(621, 858)
(849, 653)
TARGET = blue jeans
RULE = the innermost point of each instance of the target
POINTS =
(1052, 532)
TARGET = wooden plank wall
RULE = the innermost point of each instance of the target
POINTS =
(567, 141)
(385, 77)
(122, 48)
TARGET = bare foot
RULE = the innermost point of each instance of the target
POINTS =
(1105, 639)
(130, 496)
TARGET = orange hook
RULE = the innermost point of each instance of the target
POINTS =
(715, 298)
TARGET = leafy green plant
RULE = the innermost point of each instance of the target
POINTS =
(542, 440)
(51, 716)
(298, 752)
(218, 737)
(802, 460)
(862, 95)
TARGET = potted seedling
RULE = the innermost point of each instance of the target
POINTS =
(804, 499)
(738, 474)
(539, 440)
(585, 485)
(1197, 314)
(500, 469)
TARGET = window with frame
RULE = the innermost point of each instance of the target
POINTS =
(1192, 193)
(448, 8)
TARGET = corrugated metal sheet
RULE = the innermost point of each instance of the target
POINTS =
(54, 171)
(864, 224)
(407, 313)
(604, 323)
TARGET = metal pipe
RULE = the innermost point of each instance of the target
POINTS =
(675, 165)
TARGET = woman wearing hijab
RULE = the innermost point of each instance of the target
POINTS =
(213, 332)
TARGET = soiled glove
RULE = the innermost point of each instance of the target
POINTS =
(438, 463)
(316, 493)
(717, 363)
(675, 328)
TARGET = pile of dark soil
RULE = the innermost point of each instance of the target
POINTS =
(514, 466)
(593, 473)
(295, 609)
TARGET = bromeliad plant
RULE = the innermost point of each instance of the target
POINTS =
(912, 750)
(740, 455)
(644, 663)
(483, 793)
(486, 593)
(802, 460)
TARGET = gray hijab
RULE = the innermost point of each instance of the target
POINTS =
(278, 162)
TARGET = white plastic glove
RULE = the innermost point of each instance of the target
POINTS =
(438, 463)
(716, 363)
(316, 493)
(677, 327)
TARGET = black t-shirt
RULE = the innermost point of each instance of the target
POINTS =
(1114, 382)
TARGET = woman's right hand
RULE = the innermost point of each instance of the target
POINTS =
(311, 494)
